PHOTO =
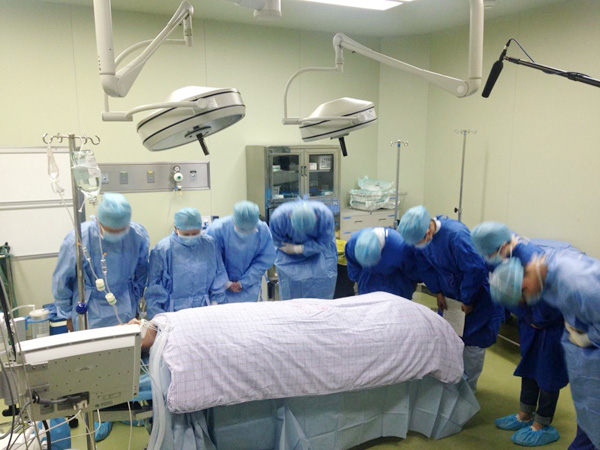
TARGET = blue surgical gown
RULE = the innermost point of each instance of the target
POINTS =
(313, 273)
(246, 258)
(451, 265)
(572, 285)
(394, 273)
(541, 327)
(184, 276)
(127, 262)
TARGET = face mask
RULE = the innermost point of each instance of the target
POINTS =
(243, 234)
(114, 237)
(188, 241)
(494, 260)
(423, 245)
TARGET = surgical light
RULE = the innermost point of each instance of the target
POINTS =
(189, 114)
(379, 5)
(336, 119)
(331, 119)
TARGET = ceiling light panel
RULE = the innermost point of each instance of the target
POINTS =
(380, 5)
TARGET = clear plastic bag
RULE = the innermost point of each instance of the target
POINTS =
(375, 194)
(373, 184)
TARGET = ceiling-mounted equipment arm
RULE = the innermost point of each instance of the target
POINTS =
(118, 83)
(455, 86)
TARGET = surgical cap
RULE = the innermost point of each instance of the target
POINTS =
(188, 219)
(414, 224)
(488, 237)
(367, 249)
(114, 211)
(245, 215)
(303, 218)
(506, 283)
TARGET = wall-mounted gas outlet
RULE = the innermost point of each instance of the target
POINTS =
(155, 177)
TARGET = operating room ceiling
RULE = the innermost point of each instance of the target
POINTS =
(416, 17)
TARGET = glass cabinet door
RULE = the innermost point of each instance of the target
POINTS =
(285, 171)
(321, 177)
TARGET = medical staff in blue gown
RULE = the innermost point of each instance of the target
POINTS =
(380, 260)
(451, 267)
(306, 260)
(247, 250)
(542, 368)
(569, 282)
(186, 269)
(125, 246)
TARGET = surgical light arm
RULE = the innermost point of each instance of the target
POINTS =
(459, 88)
(118, 83)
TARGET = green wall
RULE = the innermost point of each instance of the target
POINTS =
(532, 164)
(51, 84)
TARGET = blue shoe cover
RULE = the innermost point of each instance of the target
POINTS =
(135, 423)
(531, 437)
(511, 423)
(102, 431)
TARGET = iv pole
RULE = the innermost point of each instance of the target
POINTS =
(77, 202)
(398, 143)
(462, 169)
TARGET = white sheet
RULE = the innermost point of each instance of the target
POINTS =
(228, 354)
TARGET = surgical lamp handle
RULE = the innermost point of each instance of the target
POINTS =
(122, 116)
(118, 84)
(455, 86)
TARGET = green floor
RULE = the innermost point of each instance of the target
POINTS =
(498, 394)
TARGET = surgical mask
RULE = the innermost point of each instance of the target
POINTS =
(114, 237)
(494, 260)
(189, 241)
(423, 245)
(243, 234)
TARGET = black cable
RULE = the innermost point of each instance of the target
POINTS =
(521, 47)
(47, 431)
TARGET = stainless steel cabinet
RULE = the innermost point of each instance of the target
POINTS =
(276, 174)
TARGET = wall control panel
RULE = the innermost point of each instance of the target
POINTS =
(155, 177)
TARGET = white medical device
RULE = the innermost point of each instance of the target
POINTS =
(338, 118)
(85, 370)
(190, 113)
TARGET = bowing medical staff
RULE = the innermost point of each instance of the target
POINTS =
(380, 260)
(247, 249)
(570, 282)
(115, 270)
(542, 368)
(115, 261)
(306, 260)
(186, 269)
(451, 267)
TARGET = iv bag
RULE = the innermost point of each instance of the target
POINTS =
(86, 173)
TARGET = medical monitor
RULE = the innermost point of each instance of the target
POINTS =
(87, 370)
